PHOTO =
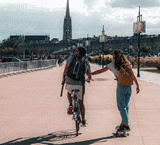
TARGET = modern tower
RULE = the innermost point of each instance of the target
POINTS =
(67, 26)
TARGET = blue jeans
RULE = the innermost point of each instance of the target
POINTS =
(123, 96)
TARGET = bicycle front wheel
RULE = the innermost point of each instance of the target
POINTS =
(77, 127)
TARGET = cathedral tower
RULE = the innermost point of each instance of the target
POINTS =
(67, 26)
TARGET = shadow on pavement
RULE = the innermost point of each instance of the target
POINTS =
(101, 79)
(55, 136)
(49, 139)
(89, 142)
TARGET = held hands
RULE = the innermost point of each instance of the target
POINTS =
(88, 78)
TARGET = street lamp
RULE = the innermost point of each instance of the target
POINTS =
(102, 39)
(139, 27)
(87, 44)
(73, 47)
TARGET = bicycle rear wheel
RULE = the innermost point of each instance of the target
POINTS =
(77, 127)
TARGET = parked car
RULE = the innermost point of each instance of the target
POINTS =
(10, 59)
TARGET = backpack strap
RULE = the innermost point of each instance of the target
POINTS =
(74, 57)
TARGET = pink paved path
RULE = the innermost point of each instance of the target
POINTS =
(32, 112)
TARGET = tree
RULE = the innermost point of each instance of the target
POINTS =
(10, 47)
(41, 51)
(107, 50)
(146, 49)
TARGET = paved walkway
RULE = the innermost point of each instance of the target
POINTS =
(32, 111)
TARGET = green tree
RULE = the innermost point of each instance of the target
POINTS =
(107, 50)
(41, 51)
(10, 47)
(146, 49)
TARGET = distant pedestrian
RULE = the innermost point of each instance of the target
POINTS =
(45, 57)
(119, 67)
(49, 57)
(60, 61)
(100, 59)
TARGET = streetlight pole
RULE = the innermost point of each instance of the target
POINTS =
(138, 71)
(102, 40)
(138, 28)
(103, 55)
(139, 17)
(87, 44)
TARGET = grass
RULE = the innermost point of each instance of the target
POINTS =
(151, 70)
(144, 67)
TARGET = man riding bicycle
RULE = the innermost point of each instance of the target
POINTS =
(74, 72)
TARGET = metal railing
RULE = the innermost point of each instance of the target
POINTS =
(25, 66)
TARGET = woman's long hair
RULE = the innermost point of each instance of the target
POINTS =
(120, 59)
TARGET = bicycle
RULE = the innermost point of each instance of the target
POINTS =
(76, 110)
(76, 106)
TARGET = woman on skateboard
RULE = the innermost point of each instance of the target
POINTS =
(123, 93)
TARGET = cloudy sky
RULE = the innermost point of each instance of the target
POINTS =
(28, 17)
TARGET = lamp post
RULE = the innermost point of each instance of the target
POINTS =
(139, 27)
(138, 19)
(73, 47)
(102, 40)
(87, 44)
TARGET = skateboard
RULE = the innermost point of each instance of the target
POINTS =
(123, 133)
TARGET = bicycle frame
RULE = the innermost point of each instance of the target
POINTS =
(76, 110)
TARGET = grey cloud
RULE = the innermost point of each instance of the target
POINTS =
(90, 3)
(23, 20)
(93, 24)
(134, 3)
(83, 25)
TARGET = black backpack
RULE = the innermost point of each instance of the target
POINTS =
(76, 69)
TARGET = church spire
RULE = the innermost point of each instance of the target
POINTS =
(103, 31)
(67, 27)
(67, 10)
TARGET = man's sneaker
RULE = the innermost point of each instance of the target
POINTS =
(84, 124)
(70, 110)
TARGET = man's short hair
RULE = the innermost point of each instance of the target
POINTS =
(82, 51)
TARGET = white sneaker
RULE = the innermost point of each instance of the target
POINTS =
(84, 124)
